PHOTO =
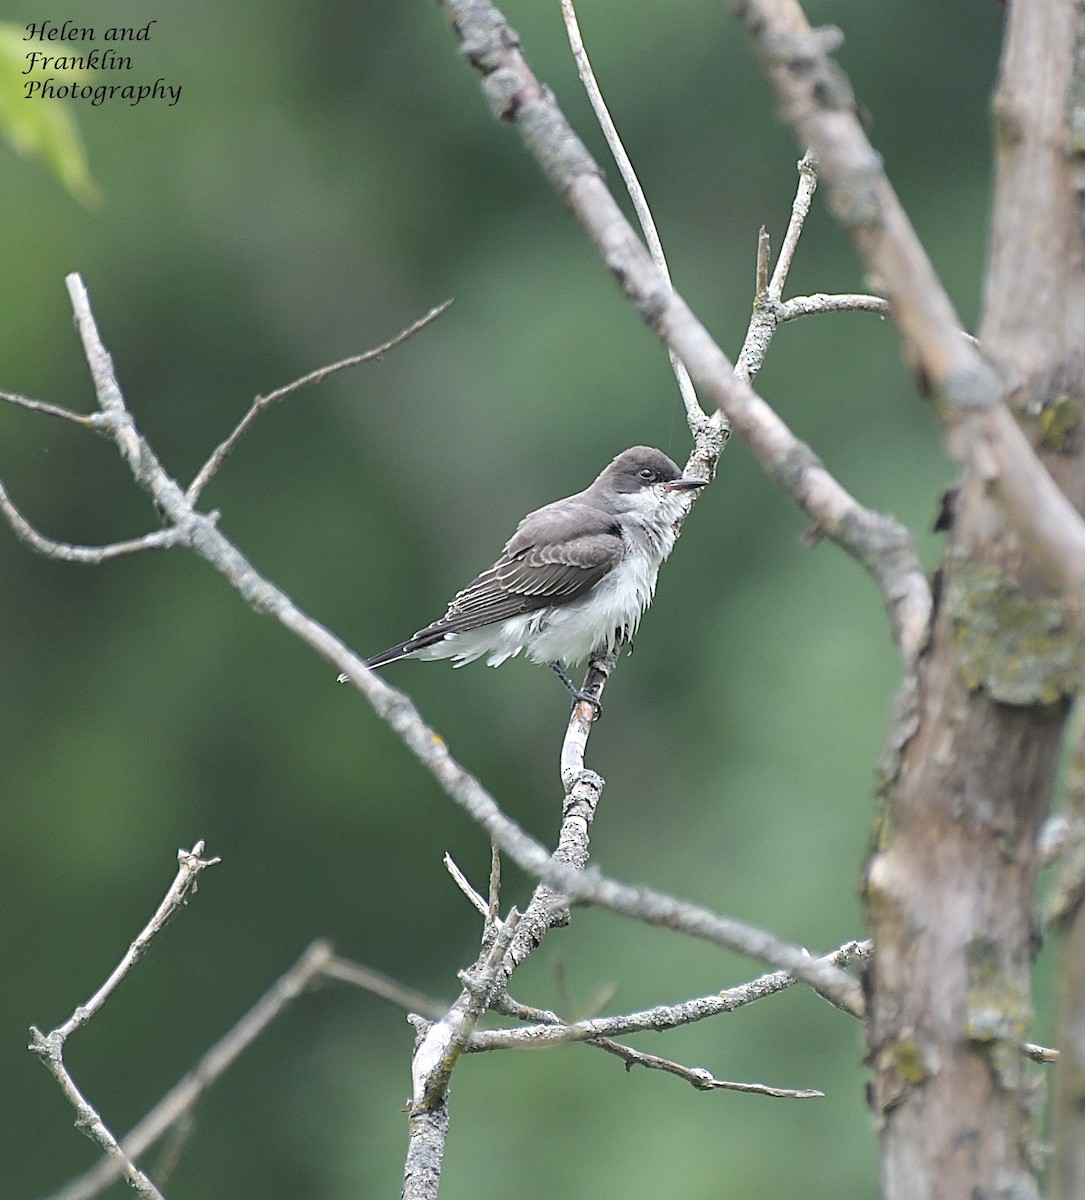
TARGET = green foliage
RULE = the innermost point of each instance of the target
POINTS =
(329, 174)
(42, 128)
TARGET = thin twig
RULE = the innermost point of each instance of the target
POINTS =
(815, 98)
(821, 302)
(493, 908)
(761, 275)
(883, 546)
(158, 539)
(657, 1019)
(551, 1030)
(464, 884)
(185, 884)
(442, 1044)
(701, 1079)
(383, 986)
(209, 468)
(85, 420)
(118, 1162)
(710, 433)
(800, 210)
(694, 413)
(50, 1047)
(1040, 1054)
(770, 310)
(178, 1103)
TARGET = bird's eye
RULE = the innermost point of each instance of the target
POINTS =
(646, 473)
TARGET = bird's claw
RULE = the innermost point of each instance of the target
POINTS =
(579, 695)
(583, 696)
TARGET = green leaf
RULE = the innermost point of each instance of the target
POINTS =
(42, 128)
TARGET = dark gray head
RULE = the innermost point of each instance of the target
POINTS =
(642, 467)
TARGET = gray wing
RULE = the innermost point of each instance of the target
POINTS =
(549, 560)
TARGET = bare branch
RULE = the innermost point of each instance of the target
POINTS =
(158, 539)
(770, 311)
(184, 885)
(551, 1030)
(800, 210)
(816, 101)
(50, 1047)
(85, 420)
(702, 1080)
(209, 468)
(493, 920)
(380, 985)
(659, 1018)
(118, 1163)
(575, 744)
(436, 1055)
(880, 543)
(694, 413)
(820, 302)
(464, 884)
(179, 1102)
(764, 253)
(768, 304)
(442, 1044)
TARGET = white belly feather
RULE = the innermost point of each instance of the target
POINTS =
(610, 612)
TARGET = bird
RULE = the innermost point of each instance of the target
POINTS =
(575, 578)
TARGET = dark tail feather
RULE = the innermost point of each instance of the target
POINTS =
(389, 656)
(422, 639)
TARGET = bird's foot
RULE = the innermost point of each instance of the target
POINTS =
(583, 696)
(579, 695)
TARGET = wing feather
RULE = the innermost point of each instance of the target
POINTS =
(536, 570)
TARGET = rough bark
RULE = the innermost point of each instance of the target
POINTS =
(969, 773)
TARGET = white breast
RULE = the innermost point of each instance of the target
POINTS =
(608, 614)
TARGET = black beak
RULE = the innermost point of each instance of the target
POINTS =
(685, 483)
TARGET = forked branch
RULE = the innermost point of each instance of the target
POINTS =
(816, 100)
(878, 542)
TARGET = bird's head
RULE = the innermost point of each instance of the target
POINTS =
(643, 479)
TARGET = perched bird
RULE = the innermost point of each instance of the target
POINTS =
(575, 577)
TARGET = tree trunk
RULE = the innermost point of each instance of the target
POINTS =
(971, 764)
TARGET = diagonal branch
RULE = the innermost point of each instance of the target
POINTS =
(701, 1079)
(442, 1043)
(659, 1018)
(816, 100)
(694, 415)
(158, 539)
(49, 1047)
(218, 457)
(200, 534)
(880, 543)
(177, 1104)
(191, 867)
(86, 420)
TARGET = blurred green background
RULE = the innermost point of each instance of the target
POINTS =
(331, 172)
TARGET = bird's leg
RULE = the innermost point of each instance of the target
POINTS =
(579, 694)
